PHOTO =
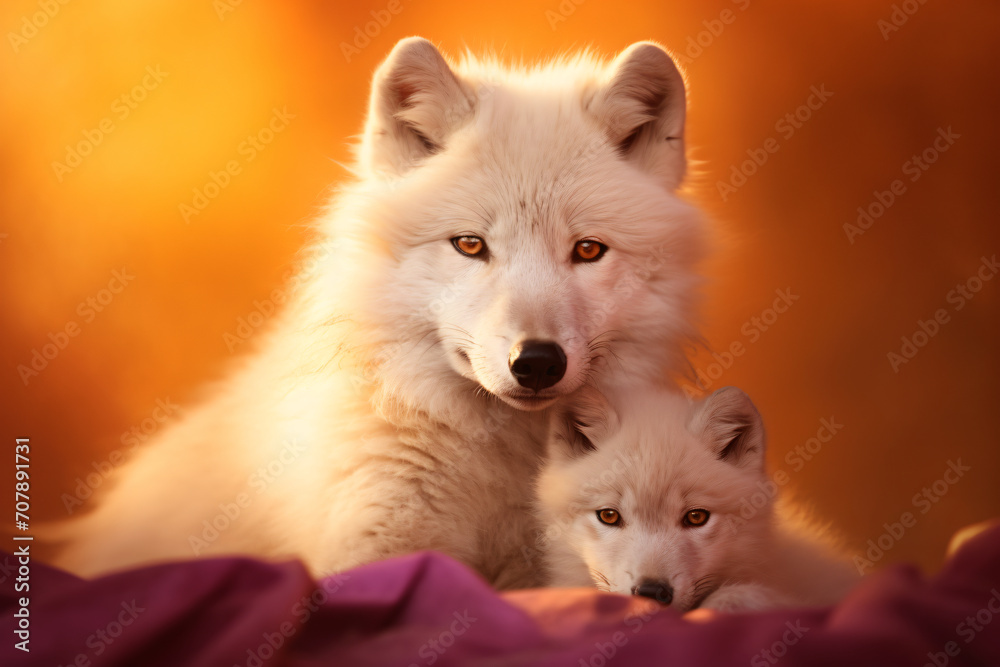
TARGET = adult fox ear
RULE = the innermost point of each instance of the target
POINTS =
(729, 422)
(416, 103)
(641, 104)
(581, 424)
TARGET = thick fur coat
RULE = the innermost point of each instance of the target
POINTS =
(380, 414)
(695, 520)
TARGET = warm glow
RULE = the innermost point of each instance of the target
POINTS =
(160, 163)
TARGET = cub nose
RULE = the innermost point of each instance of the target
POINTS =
(657, 590)
(537, 364)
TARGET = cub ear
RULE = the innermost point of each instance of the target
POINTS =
(416, 102)
(642, 107)
(729, 423)
(581, 424)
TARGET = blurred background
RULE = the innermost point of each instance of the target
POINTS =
(160, 163)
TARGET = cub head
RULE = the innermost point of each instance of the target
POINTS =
(647, 495)
(520, 225)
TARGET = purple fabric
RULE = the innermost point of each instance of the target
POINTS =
(426, 609)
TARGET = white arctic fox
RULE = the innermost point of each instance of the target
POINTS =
(645, 497)
(510, 234)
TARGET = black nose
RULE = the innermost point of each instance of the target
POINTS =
(657, 590)
(537, 364)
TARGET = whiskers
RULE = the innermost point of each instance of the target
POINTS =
(704, 587)
(452, 333)
(461, 335)
(600, 581)
(600, 347)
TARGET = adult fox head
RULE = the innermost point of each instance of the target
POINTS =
(519, 227)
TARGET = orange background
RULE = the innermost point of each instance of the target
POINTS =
(162, 336)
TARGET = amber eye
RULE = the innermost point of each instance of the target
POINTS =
(588, 251)
(470, 245)
(696, 517)
(609, 516)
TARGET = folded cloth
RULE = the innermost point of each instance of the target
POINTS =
(427, 609)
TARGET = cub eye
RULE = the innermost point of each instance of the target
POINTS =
(695, 518)
(471, 246)
(588, 251)
(609, 516)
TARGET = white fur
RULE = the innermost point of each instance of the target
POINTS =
(389, 367)
(652, 456)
